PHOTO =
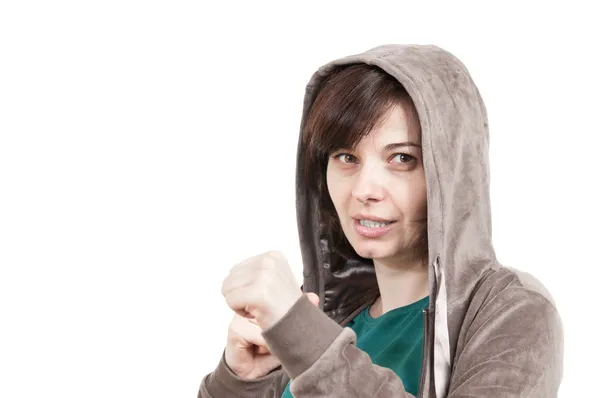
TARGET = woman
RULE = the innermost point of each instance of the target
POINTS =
(403, 295)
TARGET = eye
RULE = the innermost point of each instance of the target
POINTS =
(402, 158)
(345, 158)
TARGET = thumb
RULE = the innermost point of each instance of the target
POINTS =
(313, 299)
(266, 363)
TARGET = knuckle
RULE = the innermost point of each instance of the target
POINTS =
(273, 259)
(274, 254)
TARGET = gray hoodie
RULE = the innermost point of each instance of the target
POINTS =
(490, 330)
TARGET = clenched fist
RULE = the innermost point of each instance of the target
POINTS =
(261, 287)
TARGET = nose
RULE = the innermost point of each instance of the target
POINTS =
(368, 187)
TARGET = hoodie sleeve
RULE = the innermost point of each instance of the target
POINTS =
(514, 350)
(322, 359)
(223, 382)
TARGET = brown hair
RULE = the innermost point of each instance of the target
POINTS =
(351, 102)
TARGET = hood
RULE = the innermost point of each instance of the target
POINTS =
(454, 130)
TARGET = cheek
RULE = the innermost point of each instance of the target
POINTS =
(336, 190)
(411, 199)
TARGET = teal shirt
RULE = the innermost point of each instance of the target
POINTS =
(393, 340)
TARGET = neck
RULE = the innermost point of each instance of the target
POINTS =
(399, 285)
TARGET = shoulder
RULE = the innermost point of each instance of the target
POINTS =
(512, 325)
(509, 284)
(516, 307)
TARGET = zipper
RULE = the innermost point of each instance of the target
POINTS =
(425, 355)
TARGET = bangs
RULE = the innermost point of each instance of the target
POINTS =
(352, 101)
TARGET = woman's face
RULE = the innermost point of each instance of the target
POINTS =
(379, 190)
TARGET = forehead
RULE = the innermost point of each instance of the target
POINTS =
(397, 126)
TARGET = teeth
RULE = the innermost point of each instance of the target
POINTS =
(373, 224)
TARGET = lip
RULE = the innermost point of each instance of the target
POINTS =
(372, 233)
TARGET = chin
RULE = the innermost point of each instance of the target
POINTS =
(373, 250)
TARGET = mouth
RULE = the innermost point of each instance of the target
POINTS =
(370, 228)
(374, 223)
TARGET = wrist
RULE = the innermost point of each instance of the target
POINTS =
(274, 313)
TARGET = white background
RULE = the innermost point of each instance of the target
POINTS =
(146, 147)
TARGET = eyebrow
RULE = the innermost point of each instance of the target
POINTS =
(391, 147)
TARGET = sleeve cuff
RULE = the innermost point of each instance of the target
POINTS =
(301, 336)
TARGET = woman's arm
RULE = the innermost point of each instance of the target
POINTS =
(514, 350)
(321, 358)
